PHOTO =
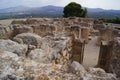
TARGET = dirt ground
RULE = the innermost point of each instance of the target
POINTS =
(8, 21)
(91, 53)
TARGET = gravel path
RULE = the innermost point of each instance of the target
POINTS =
(91, 53)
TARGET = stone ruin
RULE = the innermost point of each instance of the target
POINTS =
(108, 40)
(6, 32)
(53, 49)
(109, 56)
(107, 33)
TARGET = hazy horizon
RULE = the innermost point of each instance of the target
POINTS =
(104, 4)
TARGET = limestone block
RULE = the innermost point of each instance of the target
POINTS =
(78, 50)
(85, 34)
(31, 21)
(11, 46)
(98, 73)
(18, 29)
(77, 67)
(6, 32)
(43, 28)
(18, 22)
(115, 61)
(40, 56)
(29, 39)
(106, 34)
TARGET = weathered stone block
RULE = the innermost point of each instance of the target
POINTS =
(43, 28)
(85, 34)
(105, 56)
(6, 32)
(18, 29)
(109, 57)
(78, 50)
(115, 61)
(29, 39)
(11, 46)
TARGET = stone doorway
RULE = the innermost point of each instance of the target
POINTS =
(91, 53)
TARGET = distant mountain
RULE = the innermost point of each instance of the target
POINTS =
(95, 9)
(52, 11)
(15, 9)
(101, 13)
(47, 11)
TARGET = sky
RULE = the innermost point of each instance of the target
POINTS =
(105, 4)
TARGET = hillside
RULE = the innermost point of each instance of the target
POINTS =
(52, 11)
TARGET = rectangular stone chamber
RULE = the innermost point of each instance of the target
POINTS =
(78, 50)
(109, 57)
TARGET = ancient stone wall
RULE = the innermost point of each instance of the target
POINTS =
(48, 55)
(75, 30)
(85, 32)
(115, 61)
(18, 22)
(31, 21)
(78, 50)
(43, 28)
(105, 34)
(6, 32)
(18, 29)
(98, 26)
(105, 55)
(109, 56)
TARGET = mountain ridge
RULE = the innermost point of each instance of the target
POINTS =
(56, 11)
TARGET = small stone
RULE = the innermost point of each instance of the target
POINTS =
(46, 77)
(55, 67)
(37, 78)
(77, 68)
(57, 78)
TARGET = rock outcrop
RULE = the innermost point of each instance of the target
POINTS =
(109, 56)
(11, 46)
(41, 29)
(18, 29)
(57, 49)
(6, 32)
(40, 56)
(98, 73)
(13, 67)
(29, 39)
(115, 61)
(77, 68)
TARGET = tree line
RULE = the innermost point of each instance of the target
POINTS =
(111, 20)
